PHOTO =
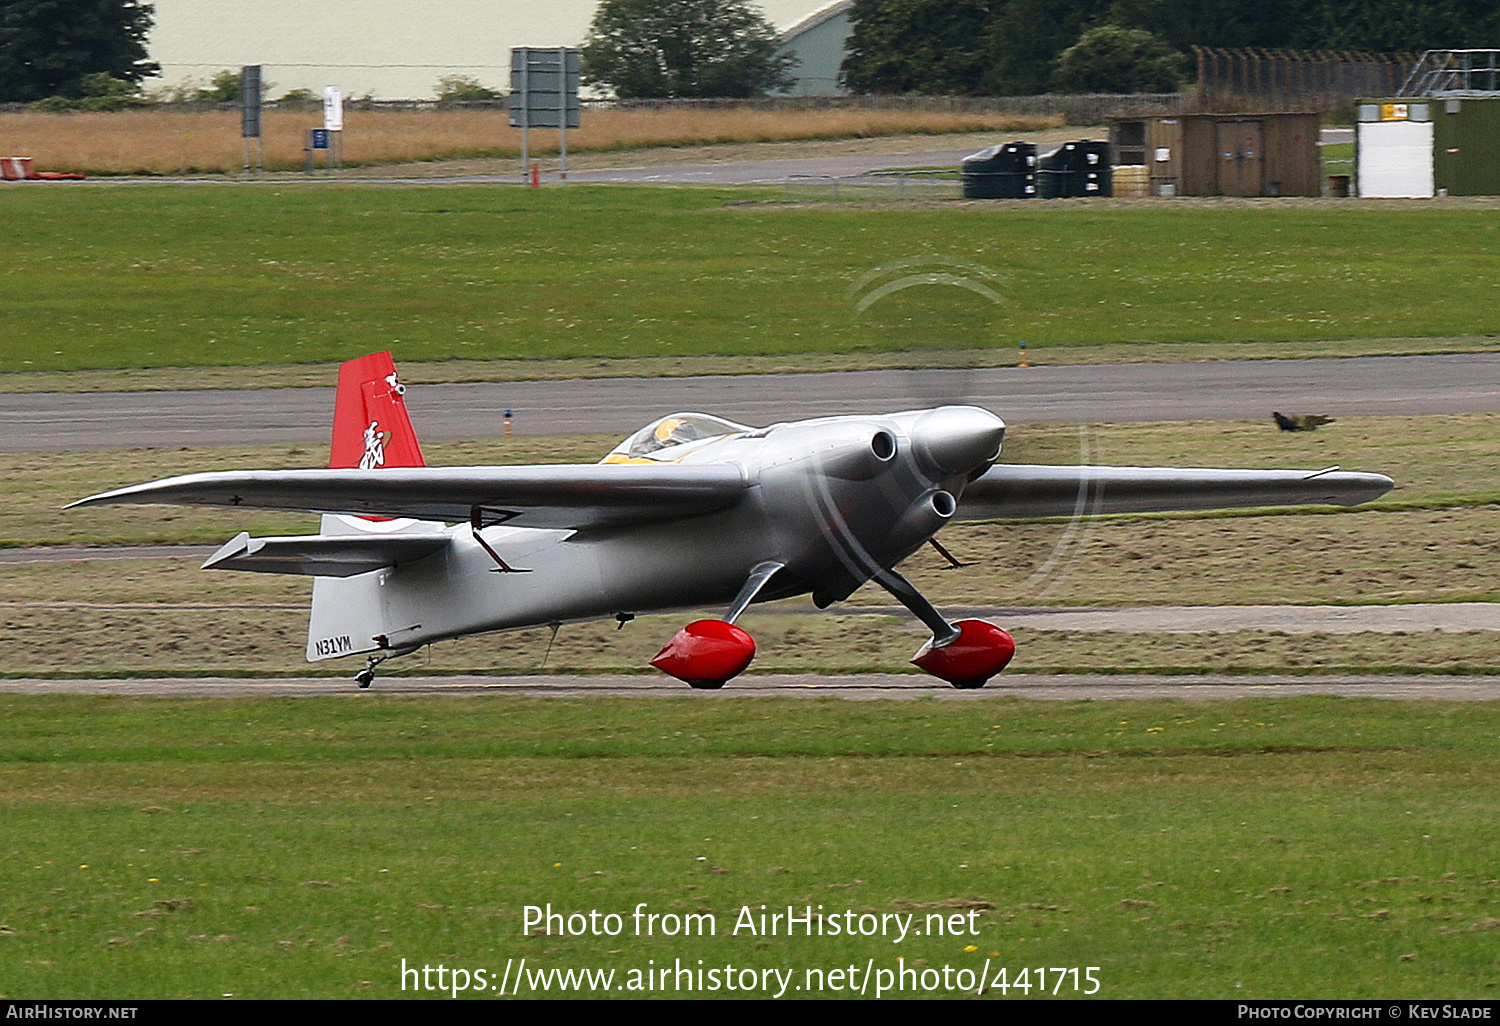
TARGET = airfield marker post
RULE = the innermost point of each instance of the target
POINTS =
(333, 123)
(525, 116)
(562, 122)
(250, 97)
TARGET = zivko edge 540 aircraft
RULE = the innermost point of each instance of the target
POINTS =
(690, 511)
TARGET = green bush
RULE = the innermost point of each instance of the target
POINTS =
(99, 91)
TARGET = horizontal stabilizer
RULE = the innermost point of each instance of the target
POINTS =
(574, 496)
(1007, 490)
(324, 555)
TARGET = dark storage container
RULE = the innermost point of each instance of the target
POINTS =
(1007, 171)
(1075, 169)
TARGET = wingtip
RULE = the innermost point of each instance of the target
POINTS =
(1367, 487)
(103, 498)
(89, 501)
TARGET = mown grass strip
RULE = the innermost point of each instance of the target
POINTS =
(286, 848)
(318, 375)
(317, 274)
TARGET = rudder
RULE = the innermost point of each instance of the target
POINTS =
(371, 428)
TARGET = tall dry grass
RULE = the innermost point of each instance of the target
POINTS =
(172, 142)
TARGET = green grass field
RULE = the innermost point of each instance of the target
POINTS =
(304, 848)
(241, 275)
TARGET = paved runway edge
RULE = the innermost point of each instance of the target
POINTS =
(852, 687)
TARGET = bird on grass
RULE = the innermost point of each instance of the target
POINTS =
(1301, 421)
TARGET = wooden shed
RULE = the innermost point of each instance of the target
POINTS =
(1223, 154)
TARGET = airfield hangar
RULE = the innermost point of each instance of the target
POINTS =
(817, 42)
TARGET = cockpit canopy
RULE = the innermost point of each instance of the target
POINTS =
(657, 440)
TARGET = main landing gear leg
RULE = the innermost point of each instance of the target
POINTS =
(706, 654)
(966, 654)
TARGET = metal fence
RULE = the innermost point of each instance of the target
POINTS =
(1270, 80)
(1084, 109)
(1454, 73)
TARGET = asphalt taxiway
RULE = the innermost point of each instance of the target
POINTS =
(1132, 392)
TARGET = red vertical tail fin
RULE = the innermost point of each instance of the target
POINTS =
(370, 426)
(370, 430)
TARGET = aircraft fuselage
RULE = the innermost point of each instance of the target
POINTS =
(835, 500)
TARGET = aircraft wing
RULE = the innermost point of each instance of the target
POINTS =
(1014, 490)
(571, 496)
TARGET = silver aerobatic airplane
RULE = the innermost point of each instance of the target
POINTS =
(689, 511)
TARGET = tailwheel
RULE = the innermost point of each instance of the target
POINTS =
(969, 660)
(364, 678)
(706, 654)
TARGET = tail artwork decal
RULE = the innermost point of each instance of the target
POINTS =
(371, 428)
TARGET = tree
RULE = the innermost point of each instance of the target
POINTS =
(1024, 40)
(1014, 47)
(974, 47)
(1110, 59)
(49, 47)
(1224, 23)
(1404, 25)
(684, 48)
(917, 46)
